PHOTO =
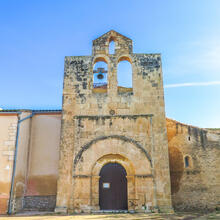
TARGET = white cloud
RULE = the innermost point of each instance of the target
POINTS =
(208, 57)
(197, 57)
(192, 84)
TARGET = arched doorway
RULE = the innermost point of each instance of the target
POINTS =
(113, 187)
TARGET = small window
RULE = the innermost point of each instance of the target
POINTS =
(100, 79)
(186, 161)
(111, 47)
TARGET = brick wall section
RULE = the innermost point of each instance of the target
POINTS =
(3, 204)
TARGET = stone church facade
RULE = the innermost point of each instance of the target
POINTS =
(110, 148)
(125, 127)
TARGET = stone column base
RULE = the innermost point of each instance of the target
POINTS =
(61, 210)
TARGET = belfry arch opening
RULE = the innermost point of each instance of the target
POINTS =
(100, 76)
(124, 75)
(113, 187)
(111, 49)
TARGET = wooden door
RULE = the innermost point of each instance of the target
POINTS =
(113, 187)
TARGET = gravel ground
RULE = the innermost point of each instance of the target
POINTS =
(139, 216)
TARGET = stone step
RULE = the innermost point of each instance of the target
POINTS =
(112, 211)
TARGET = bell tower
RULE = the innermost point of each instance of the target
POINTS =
(104, 123)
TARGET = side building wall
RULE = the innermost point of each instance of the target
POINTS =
(8, 129)
(35, 182)
(194, 155)
(41, 184)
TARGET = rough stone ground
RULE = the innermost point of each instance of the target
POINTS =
(176, 216)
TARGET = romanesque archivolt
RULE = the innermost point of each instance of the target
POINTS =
(120, 137)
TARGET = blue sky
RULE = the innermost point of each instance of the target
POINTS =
(36, 35)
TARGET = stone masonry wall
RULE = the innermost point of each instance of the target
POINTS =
(196, 186)
(39, 203)
(8, 130)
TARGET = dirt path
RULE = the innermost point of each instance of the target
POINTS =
(176, 216)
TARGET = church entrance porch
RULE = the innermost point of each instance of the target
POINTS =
(88, 168)
(113, 187)
(108, 163)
